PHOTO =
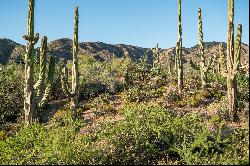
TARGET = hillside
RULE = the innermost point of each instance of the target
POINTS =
(10, 50)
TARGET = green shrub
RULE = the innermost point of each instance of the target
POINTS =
(98, 77)
(148, 134)
(243, 87)
(58, 143)
(11, 92)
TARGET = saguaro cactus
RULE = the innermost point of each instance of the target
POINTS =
(179, 51)
(214, 62)
(222, 62)
(156, 61)
(233, 60)
(73, 93)
(170, 65)
(203, 67)
(29, 64)
(32, 101)
(156, 56)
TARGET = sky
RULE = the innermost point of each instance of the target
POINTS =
(142, 23)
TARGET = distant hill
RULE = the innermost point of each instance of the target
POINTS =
(7, 47)
(210, 48)
(62, 48)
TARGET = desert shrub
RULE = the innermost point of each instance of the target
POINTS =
(138, 73)
(172, 95)
(142, 138)
(142, 82)
(192, 79)
(218, 81)
(97, 77)
(56, 93)
(243, 86)
(151, 133)
(101, 104)
(54, 144)
(11, 92)
(142, 93)
(148, 134)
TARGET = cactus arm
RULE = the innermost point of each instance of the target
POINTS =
(40, 84)
(49, 84)
(237, 49)
(223, 69)
(64, 81)
(32, 39)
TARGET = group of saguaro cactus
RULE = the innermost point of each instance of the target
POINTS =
(33, 101)
(178, 59)
(36, 95)
(73, 92)
(233, 60)
(230, 69)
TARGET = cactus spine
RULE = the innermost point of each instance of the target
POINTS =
(73, 93)
(32, 101)
(233, 60)
(203, 67)
(179, 51)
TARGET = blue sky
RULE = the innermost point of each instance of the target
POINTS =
(135, 22)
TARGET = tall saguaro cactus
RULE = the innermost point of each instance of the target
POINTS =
(73, 93)
(32, 101)
(29, 64)
(233, 60)
(203, 67)
(179, 51)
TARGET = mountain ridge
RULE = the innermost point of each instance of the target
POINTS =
(62, 48)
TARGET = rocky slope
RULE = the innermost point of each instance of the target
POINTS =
(61, 48)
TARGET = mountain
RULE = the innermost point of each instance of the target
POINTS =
(7, 47)
(62, 48)
(101, 51)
